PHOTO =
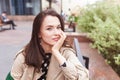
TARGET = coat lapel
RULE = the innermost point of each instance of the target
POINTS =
(54, 69)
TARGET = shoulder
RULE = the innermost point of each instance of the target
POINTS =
(19, 62)
(20, 58)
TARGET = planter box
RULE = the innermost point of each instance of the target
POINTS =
(98, 69)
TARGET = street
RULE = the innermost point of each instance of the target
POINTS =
(11, 41)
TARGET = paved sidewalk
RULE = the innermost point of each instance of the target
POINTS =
(12, 41)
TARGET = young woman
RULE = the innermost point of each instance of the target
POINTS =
(46, 57)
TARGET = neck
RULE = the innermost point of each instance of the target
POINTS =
(46, 47)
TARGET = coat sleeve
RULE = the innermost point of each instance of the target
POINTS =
(74, 70)
(18, 67)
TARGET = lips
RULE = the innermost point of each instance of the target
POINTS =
(55, 39)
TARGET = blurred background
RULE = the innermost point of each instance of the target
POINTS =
(32, 7)
(96, 24)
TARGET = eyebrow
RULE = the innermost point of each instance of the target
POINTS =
(52, 25)
(49, 26)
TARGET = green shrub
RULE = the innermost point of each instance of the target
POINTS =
(102, 22)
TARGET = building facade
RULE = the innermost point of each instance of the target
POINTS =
(20, 7)
(29, 7)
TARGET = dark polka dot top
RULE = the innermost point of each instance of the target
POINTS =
(44, 67)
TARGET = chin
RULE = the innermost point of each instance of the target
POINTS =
(53, 43)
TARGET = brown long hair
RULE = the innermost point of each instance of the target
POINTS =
(34, 52)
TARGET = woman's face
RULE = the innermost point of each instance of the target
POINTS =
(50, 31)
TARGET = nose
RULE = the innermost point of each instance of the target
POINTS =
(57, 32)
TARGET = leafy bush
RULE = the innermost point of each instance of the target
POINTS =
(102, 22)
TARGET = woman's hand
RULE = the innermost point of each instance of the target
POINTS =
(60, 42)
(57, 46)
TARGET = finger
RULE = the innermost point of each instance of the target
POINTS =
(63, 34)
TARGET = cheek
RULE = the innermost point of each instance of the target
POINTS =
(46, 36)
(47, 39)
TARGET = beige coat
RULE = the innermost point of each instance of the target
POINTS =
(73, 71)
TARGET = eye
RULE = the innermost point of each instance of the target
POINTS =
(49, 28)
(59, 27)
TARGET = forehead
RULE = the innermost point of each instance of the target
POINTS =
(49, 20)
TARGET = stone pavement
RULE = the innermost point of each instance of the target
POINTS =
(12, 41)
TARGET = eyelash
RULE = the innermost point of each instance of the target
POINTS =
(58, 27)
(49, 28)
